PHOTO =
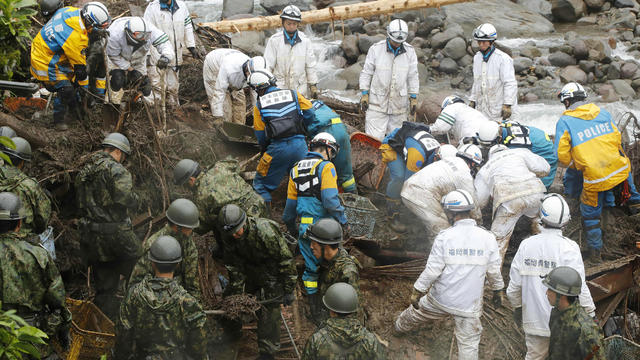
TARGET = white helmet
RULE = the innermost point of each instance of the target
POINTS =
(95, 15)
(554, 211)
(291, 12)
(398, 30)
(457, 201)
(254, 64)
(452, 99)
(261, 79)
(572, 90)
(470, 152)
(447, 151)
(488, 133)
(497, 148)
(485, 32)
(137, 31)
(327, 140)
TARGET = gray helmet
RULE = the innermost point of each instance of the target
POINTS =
(49, 7)
(341, 298)
(7, 131)
(184, 169)
(165, 250)
(22, 150)
(232, 218)
(183, 212)
(563, 280)
(118, 141)
(10, 207)
(325, 231)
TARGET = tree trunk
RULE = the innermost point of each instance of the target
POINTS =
(27, 131)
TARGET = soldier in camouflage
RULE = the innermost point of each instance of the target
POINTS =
(29, 279)
(36, 203)
(259, 262)
(343, 336)
(159, 319)
(574, 334)
(105, 199)
(182, 216)
(216, 187)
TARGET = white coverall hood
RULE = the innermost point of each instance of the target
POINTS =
(293, 66)
(494, 84)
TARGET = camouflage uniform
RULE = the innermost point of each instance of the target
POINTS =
(186, 274)
(31, 284)
(261, 263)
(36, 204)
(160, 320)
(222, 185)
(574, 335)
(104, 193)
(343, 338)
(342, 268)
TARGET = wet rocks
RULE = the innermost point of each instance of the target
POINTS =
(579, 49)
(442, 38)
(594, 4)
(456, 48)
(573, 73)
(522, 64)
(448, 66)
(608, 93)
(352, 75)
(567, 10)
(625, 3)
(350, 48)
(561, 59)
(235, 7)
(365, 42)
(628, 70)
(623, 88)
(430, 23)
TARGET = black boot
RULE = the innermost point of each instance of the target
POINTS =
(394, 216)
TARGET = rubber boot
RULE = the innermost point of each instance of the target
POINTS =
(393, 214)
(58, 121)
(595, 256)
(634, 209)
(316, 314)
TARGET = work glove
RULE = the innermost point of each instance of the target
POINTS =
(64, 338)
(517, 316)
(195, 53)
(314, 91)
(415, 298)
(364, 102)
(506, 111)
(292, 229)
(145, 86)
(497, 300)
(472, 104)
(346, 231)
(80, 72)
(413, 105)
(163, 62)
(288, 299)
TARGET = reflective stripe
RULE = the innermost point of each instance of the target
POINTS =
(39, 72)
(306, 220)
(311, 284)
(606, 177)
(336, 121)
(349, 182)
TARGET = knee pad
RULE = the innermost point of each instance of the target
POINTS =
(117, 79)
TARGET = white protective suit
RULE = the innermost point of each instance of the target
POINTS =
(512, 178)
(494, 84)
(454, 276)
(222, 74)
(293, 66)
(459, 120)
(389, 80)
(178, 26)
(536, 256)
(422, 192)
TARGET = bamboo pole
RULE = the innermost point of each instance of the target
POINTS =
(344, 12)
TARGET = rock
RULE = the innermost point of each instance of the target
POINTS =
(465, 61)
(448, 66)
(339, 61)
(440, 39)
(608, 93)
(429, 24)
(580, 49)
(542, 7)
(371, 28)
(352, 75)
(573, 73)
(540, 72)
(606, 6)
(613, 71)
(594, 4)
(636, 32)
(587, 20)
(636, 84)
(570, 35)
(235, 7)
(456, 48)
(356, 25)
(567, 10)
(333, 83)
(418, 42)
(598, 50)
(627, 35)
(249, 41)
(430, 106)
(522, 64)
(626, 19)
(587, 65)
(530, 52)
(567, 49)
(628, 70)
(276, 6)
(365, 42)
(561, 59)
(623, 88)
(530, 97)
(350, 48)
(625, 3)
(423, 74)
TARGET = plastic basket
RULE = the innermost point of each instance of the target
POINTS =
(618, 348)
(92, 333)
(360, 213)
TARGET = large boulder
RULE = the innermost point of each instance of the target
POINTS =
(365, 42)
(608, 93)
(456, 48)
(623, 88)
(276, 6)
(430, 105)
(522, 64)
(599, 50)
(622, 19)
(542, 7)
(350, 47)
(249, 41)
(448, 66)
(431, 22)
(625, 3)
(594, 4)
(573, 73)
(579, 49)
(628, 70)
(561, 59)
(510, 19)
(352, 75)
(567, 10)
(235, 7)
(442, 38)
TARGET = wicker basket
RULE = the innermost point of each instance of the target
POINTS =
(92, 333)
(618, 348)
(360, 213)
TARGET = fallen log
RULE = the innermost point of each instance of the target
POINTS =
(344, 12)
(24, 130)
(340, 105)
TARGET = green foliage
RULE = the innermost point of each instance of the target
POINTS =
(14, 35)
(18, 338)
(6, 143)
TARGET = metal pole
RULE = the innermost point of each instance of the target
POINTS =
(289, 332)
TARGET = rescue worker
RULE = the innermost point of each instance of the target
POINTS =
(495, 89)
(48, 8)
(223, 76)
(405, 150)
(458, 120)
(574, 333)
(312, 194)
(536, 257)
(290, 57)
(327, 120)
(512, 178)
(452, 283)
(173, 18)
(334, 263)
(515, 135)
(35, 202)
(57, 54)
(128, 47)
(31, 284)
(216, 187)
(278, 122)
(159, 319)
(182, 217)
(105, 200)
(586, 138)
(436, 180)
(259, 262)
(389, 82)
(343, 336)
